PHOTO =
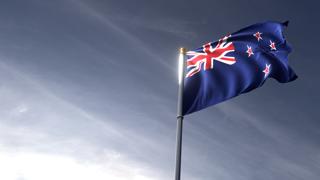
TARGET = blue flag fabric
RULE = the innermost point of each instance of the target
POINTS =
(236, 64)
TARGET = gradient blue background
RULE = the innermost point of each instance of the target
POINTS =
(93, 85)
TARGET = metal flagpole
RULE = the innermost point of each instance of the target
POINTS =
(179, 113)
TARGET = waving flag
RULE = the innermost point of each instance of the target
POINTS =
(236, 64)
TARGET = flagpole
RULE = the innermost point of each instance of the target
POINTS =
(179, 113)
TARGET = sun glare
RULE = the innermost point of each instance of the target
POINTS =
(180, 68)
(34, 166)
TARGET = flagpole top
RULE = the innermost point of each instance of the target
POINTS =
(183, 50)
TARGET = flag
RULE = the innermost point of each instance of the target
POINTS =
(236, 64)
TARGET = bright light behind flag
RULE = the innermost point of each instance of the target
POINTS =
(180, 66)
(40, 166)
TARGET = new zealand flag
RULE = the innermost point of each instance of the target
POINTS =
(236, 64)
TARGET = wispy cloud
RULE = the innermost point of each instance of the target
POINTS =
(129, 38)
(176, 27)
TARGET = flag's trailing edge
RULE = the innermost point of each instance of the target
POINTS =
(236, 64)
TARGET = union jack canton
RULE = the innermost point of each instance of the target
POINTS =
(204, 59)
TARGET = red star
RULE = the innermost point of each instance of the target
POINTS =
(272, 45)
(258, 36)
(266, 71)
(249, 51)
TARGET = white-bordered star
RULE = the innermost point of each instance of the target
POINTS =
(266, 70)
(258, 35)
(249, 51)
(272, 45)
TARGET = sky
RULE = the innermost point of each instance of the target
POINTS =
(88, 90)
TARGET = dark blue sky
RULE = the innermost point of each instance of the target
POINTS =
(88, 90)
